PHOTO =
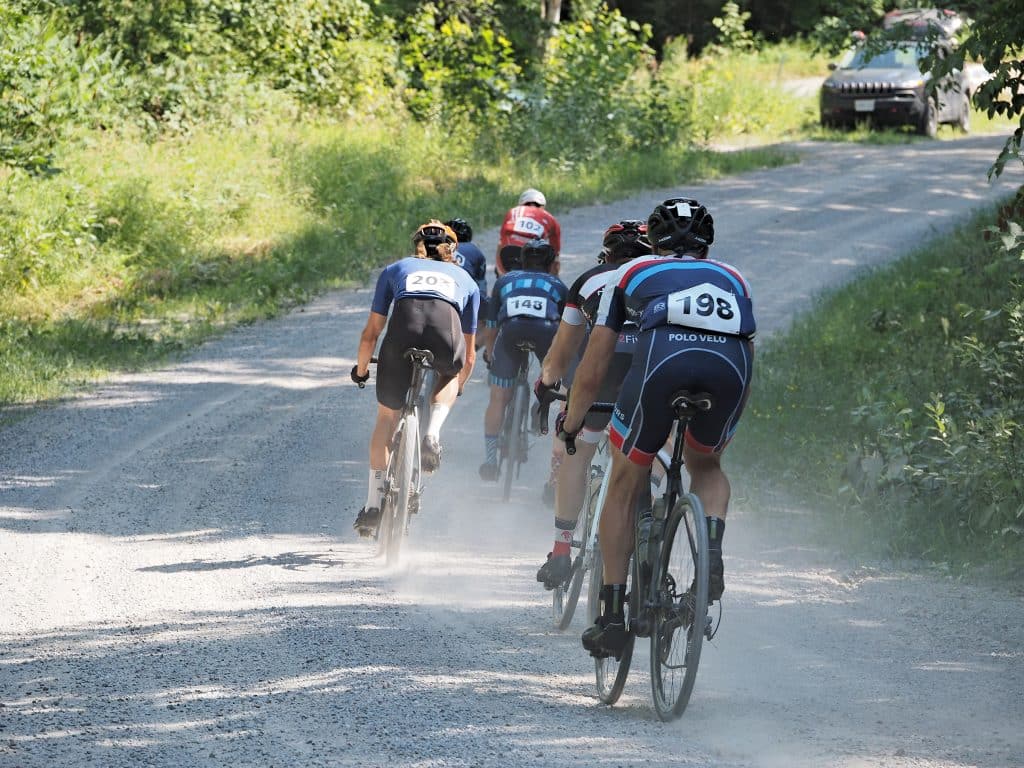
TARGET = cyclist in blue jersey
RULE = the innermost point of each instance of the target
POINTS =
(696, 332)
(469, 256)
(622, 241)
(434, 305)
(525, 305)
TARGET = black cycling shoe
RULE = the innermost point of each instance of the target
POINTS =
(430, 454)
(488, 472)
(555, 571)
(367, 521)
(716, 576)
(606, 637)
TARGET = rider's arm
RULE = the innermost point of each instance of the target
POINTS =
(567, 341)
(368, 341)
(467, 369)
(586, 383)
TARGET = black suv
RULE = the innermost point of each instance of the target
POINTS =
(889, 88)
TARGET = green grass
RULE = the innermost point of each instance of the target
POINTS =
(874, 412)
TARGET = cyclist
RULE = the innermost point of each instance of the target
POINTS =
(469, 256)
(528, 220)
(435, 304)
(622, 241)
(696, 332)
(525, 305)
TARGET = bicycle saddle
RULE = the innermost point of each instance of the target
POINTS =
(686, 403)
(424, 356)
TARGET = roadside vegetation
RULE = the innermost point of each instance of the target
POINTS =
(895, 406)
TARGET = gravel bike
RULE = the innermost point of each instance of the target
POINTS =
(513, 442)
(667, 584)
(403, 478)
(583, 548)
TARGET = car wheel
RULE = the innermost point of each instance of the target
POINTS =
(964, 123)
(929, 125)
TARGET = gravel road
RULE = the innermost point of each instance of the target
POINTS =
(181, 585)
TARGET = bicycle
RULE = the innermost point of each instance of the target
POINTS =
(667, 585)
(583, 547)
(513, 443)
(403, 477)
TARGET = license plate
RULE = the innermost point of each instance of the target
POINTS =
(864, 105)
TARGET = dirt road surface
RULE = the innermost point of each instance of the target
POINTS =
(181, 585)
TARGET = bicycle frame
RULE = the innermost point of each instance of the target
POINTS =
(403, 481)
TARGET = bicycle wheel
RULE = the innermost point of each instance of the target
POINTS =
(387, 526)
(565, 596)
(681, 614)
(406, 469)
(516, 436)
(609, 673)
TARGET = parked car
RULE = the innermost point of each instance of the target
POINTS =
(888, 88)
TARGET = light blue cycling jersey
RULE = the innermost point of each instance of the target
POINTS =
(412, 277)
(526, 293)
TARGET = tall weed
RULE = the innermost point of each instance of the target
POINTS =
(898, 398)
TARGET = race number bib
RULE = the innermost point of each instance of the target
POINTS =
(705, 306)
(531, 306)
(529, 227)
(431, 282)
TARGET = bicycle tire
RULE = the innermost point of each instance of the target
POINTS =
(386, 527)
(609, 674)
(566, 595)
(407, 445)
(681, 565)
(514, 436)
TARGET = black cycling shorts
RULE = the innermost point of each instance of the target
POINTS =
(671, 358)
(432, 324)
(512, 332)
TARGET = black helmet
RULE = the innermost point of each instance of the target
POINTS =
(537, 254)
(461, 228)
(625, 240)
(681, 224)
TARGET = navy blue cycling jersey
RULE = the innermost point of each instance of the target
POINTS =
(523, 293)
(412, 277)
(472, 259)
(699, 294)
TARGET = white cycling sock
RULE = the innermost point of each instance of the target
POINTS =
(438, 413)
(374, 488)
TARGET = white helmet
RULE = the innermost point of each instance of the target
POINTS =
(533, 196)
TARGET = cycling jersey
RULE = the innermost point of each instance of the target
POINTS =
(698, 294)
(412, 277)
(472, 259)
(581, 307)
(523, 293)
(525, 306)
(527, 222)
(583, 300)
